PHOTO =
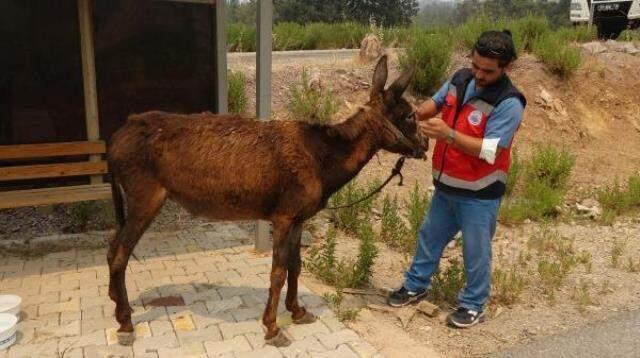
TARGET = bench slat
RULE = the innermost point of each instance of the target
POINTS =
(52, 170)
(23, 151)
(49, 196)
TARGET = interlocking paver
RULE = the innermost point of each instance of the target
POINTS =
(211, 333)
(363, 349)
(266, 352)
(188, 350)
(159, 328)
(72, 305)
(222, 281)
(109, 351)
(152, 344)
(333, 340)
(342, 351)
(237, 344)
(305, 330)
(303, 347)
(232, 329)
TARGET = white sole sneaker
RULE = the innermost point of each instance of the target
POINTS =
(480, 319)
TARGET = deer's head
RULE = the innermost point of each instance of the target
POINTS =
(393, 116)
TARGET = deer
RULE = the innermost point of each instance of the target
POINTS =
(228, 167)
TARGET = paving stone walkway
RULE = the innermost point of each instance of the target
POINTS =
(67, 312)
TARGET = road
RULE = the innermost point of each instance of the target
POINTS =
(618, 336)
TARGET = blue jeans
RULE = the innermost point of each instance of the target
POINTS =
(448, 215)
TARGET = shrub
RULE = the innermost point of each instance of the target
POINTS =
(237, 95)
(557, 54)
(241, 38)
(431, 54)
(311, 103)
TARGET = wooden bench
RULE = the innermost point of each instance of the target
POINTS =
(94, 167)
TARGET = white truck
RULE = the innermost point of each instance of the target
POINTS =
(610, 17)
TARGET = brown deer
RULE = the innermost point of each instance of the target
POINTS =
(230, 168)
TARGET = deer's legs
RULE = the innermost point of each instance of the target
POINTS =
(274, 335)
(298, 313)
(143, 206)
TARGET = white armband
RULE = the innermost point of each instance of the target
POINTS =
(489, 149)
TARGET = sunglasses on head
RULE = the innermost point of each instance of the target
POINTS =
(494, 51)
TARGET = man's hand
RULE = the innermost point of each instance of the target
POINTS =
(435, 128)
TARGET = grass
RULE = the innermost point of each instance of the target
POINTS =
(632, 265)
(514, 173)
(630, 36)
(542, 180)
(582, 295)
(579, 34)
(556, 259)
(507, 286)
(446, 284)
(466, 34)
(551, 276)
(393, 230)
(310, 102)
(237, 93)
(616, 199)
(617, 249)
(416, 209)
(531, 34)
(81, 214)
(341, 273)
(584, 258)
(334, 300)
(288, 36)
(527, 30)
(348, 218)
(550, 166)
(605, 287)
(241, 38)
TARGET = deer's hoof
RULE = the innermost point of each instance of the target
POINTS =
(126, 338)
(306, 319)
(279, 340)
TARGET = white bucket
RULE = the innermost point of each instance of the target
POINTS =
(10, 304)
(7, 330)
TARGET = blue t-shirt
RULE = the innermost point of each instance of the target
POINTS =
(504, 119)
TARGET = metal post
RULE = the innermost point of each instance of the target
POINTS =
(85, 11)
(220, 29)
(263, 95)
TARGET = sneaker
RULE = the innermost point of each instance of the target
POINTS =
(465, 318)
(403, 297)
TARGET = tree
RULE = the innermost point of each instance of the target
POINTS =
(384, 12)
(232, 10)
(304, 11)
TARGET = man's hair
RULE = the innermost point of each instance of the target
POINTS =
(498, 45)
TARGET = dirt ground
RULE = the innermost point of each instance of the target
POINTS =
(595, 114)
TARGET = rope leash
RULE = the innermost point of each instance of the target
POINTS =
(396, 171)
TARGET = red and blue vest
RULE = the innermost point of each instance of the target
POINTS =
(459, 173)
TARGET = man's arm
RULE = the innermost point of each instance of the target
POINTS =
(499, 131)
(432, 106)
(436, 128)
(426, 110)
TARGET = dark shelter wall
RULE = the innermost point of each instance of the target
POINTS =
(149, 54)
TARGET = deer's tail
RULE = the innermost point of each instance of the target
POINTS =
(118, 201)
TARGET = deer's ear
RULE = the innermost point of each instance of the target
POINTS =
(401, 83)
(379, 77)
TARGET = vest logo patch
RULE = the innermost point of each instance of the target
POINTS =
(475, 118)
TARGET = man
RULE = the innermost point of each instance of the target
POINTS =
(481, 111)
